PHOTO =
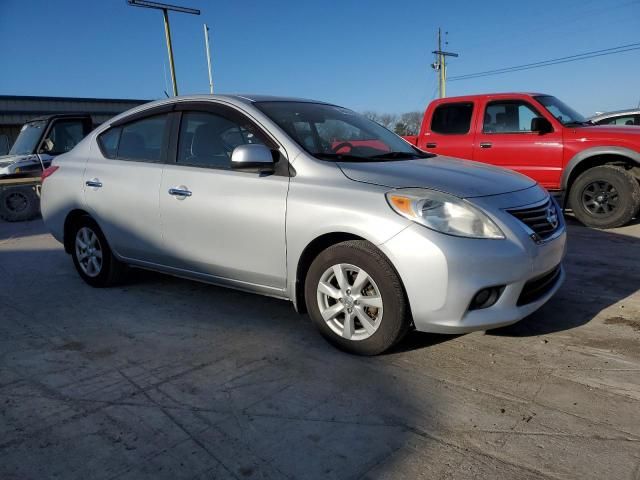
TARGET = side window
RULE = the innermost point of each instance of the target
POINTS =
(623, 120)
(452, 119)
(208, 139)
(109, 142)
(141, 140)
(65, 134)
(508, 117)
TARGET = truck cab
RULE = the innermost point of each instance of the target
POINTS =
(595, 169)
(40, 140)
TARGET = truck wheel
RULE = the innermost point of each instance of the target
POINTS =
(605, 197)
(18, 204)
(355, 298)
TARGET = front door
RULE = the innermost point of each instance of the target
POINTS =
(121, 182)
(505, 139)
(224, 224)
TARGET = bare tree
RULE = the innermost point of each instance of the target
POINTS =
(388, 120)
(409, 123)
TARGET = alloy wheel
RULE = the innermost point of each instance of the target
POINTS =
(350, 301)
(600, 198)
(89, 252)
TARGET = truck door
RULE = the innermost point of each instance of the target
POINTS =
(61, 136)
(505, 139)
(448, 130)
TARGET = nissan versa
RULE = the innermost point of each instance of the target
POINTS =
(309, 202)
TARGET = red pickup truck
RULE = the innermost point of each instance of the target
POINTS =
(595, 168)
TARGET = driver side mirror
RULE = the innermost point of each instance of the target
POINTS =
(252, 157)
(541, 125)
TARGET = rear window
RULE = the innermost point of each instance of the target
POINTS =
(452, 118)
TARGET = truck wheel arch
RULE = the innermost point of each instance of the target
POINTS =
(595, 156)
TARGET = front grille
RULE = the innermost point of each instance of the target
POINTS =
(538, 287)
(543, 219)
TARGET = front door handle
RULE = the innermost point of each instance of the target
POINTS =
(432, 145)
(94, 182)
(485, 145)
(180, 192)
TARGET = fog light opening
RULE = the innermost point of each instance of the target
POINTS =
(485, 298)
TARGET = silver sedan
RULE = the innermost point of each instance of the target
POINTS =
(312, 203)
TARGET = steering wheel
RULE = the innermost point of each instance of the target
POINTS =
(342, 145)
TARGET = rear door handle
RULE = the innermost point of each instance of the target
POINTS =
(485, 145)
(432, 145)
(180, 192)
(94, 182)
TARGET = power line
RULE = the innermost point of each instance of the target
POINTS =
(554, 61)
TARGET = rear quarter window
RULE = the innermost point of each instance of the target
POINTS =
(452, 118)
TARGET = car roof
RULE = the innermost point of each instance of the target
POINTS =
(629, 111)
(245, 98)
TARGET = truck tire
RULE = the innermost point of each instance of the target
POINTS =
(355, 298)
(18, 204)
(607, 196)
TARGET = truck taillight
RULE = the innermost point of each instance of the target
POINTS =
(47, 172)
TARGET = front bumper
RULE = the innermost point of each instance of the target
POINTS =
(442, 273)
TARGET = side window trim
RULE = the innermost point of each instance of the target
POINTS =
(510, 102)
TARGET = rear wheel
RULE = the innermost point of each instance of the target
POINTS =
(18, 204)
(355, 298)
(605, 197)
(92, 255)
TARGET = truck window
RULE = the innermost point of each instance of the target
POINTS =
(508, 117)
(65, 134)
(452, 118)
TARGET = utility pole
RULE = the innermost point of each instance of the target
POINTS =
(206, 43)
(440, 64)
(167, 30)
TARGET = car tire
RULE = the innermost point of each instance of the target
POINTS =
(18, 204)
(92, 255)
(367, 321)
(607, 196)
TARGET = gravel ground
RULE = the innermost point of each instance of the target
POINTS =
(167, 378)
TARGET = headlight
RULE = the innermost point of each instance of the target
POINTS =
(443, 213)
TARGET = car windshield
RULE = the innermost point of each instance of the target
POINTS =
(28, 139)
(334, 133)
(564, 113)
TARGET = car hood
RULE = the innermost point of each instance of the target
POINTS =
(462, 178)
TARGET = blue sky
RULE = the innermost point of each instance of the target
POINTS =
(367, 55)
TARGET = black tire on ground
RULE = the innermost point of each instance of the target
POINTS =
(395, 320)
(616, 182)
(112, 271)
(18, 204)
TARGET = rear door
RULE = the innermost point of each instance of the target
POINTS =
(505, 139)
(122, 179)
(449, 130)
(228, 225)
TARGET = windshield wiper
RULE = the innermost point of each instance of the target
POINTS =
(340, 157)
(398, 155)
(576, 123)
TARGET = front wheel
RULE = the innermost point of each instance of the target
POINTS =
(18, 204)
(607, 196)
(355, 298)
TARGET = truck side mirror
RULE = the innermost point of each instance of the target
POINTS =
(47, 145)
(541, 125)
